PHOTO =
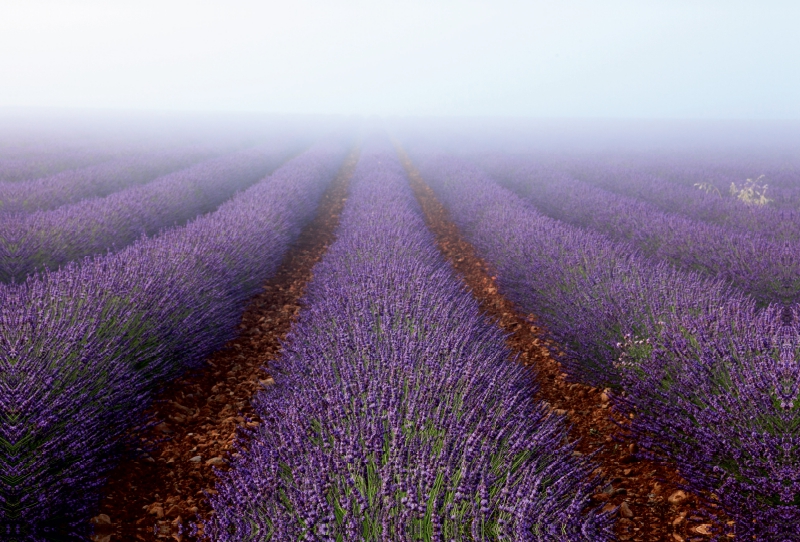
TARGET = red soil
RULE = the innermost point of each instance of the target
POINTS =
(657, 508)
(158, 495)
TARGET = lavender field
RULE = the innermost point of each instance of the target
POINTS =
(664, 288)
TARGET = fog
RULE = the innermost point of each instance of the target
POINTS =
(542, 59)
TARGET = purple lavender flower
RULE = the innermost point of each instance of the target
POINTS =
(96, 180)
(83, 349)
(48, 239)
(397, 413)
(712, 381)
(764, 264)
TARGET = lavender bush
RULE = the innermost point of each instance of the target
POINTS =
(92, 181)
(764, 266)
(695, 191)
(717, 393)
(779, 218)
(82, 349)
(48, 239)
(721, 170)
(700, 193)
(588, 290)
(397, 413)
(23, 166)
(713, 382)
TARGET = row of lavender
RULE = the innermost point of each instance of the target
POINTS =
(23, 167)
(48, 239)
(763, 265)
(699, 193)
(83, 349)
(703, 194)
(24, 158)
(97, 180)
(713, 383)
(32, 150)
(397, 412)
(781, 173)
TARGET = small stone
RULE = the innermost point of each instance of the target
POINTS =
(608, 507)
(627, 472)
(625, 510)
(164, 428)
(216, 461)
(604, 397)
(633, 448)
(656, 488)
(704, 529)
(678, 520)
(174, 511)
(601, 497)
(181, 407)
(560, 411)
(101, 519)
(196, 459)
(677, 537)
(678, 497)
(157, 511)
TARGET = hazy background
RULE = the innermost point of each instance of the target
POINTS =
(641, 59)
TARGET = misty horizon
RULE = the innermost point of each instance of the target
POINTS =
(578, 60)
(399, 271)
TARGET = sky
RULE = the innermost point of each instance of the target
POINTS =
(642, 59)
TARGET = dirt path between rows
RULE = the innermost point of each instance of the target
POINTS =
(652, 507)
(157, 495)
